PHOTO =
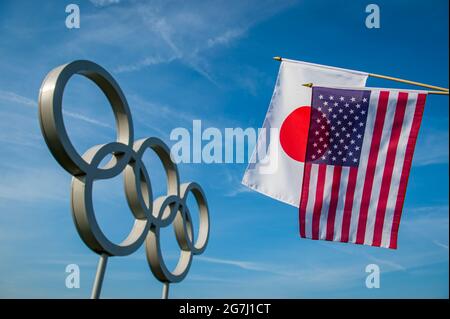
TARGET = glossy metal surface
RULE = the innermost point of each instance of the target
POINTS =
(150, 215)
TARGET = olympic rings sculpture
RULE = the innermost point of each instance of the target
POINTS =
(150, 216)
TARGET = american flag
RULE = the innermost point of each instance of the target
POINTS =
(359, 153)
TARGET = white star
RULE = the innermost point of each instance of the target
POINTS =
(334, 146)
(337, 134)
(318, 120)
(359, 136)
(331, 97)
(358, 105)
(365, 99)
(350, 153)
(347, 105)
(321, 96)
(326, 133)
(353, 99)
(332, 128)
(323, 157)
(355, 160)
(361, 124)
(336, 104)
(323, 115)
(333, 158)
(319, 151)
(339, 122)
(343, 129)
(317, 132)
(340, 111)
(352, 142)
(348, 135)
(356, 118)
(341, 141)
(342, 98)
(344, 159)
(345, 117)
(340, 153)
(351, 111)
(331, 139)
(330, 110)
(325, 103)
(319, 108)
(334, 116)
(354, 129)
(313, 156)
(322, 127)
(346, 147)
(315, 144)
(321, 139)
(363, 112)
(357, 148)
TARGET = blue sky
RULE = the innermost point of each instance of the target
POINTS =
(211, 60)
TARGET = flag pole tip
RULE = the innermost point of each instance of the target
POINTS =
(308, 85)
(277, 58)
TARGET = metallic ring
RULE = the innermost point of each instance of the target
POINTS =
(150, 216)
(182, 222)
(51, 116)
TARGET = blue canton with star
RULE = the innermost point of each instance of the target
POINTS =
(338, 122)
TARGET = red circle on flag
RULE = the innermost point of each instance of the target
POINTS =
(294, 133)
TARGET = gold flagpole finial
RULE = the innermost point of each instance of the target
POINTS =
(277, 58)
(308, 85)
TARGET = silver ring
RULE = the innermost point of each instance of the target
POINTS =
(150, 216)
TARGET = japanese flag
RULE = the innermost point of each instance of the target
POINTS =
(276, 166)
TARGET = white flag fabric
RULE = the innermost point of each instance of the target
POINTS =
(277, 164)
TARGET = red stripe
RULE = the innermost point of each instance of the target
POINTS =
(333, 202)
(371, 165)
(406, 168)
(349, 194)
(304, 198)
(318, 202)
(389, 167)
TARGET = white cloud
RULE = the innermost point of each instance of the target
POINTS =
(104, 3)
(16, 98)
(241, 264)
(439, 244)
(27, 184)
(432, 148)
(12, 97)
(143, 34)
(86, 119)
(148, 61)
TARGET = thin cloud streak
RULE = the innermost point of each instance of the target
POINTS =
(177, 32)
(432, 149)
(25, 101)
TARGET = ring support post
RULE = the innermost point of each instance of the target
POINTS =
(99, 275)
(165, 291)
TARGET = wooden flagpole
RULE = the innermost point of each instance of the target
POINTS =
(310, 85)
(439, 90)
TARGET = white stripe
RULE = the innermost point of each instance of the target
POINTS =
(364, 159)
(311, 200)
(340, 204)
(326, 201)
(398, 167)
(380, 165)
(327, 67)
